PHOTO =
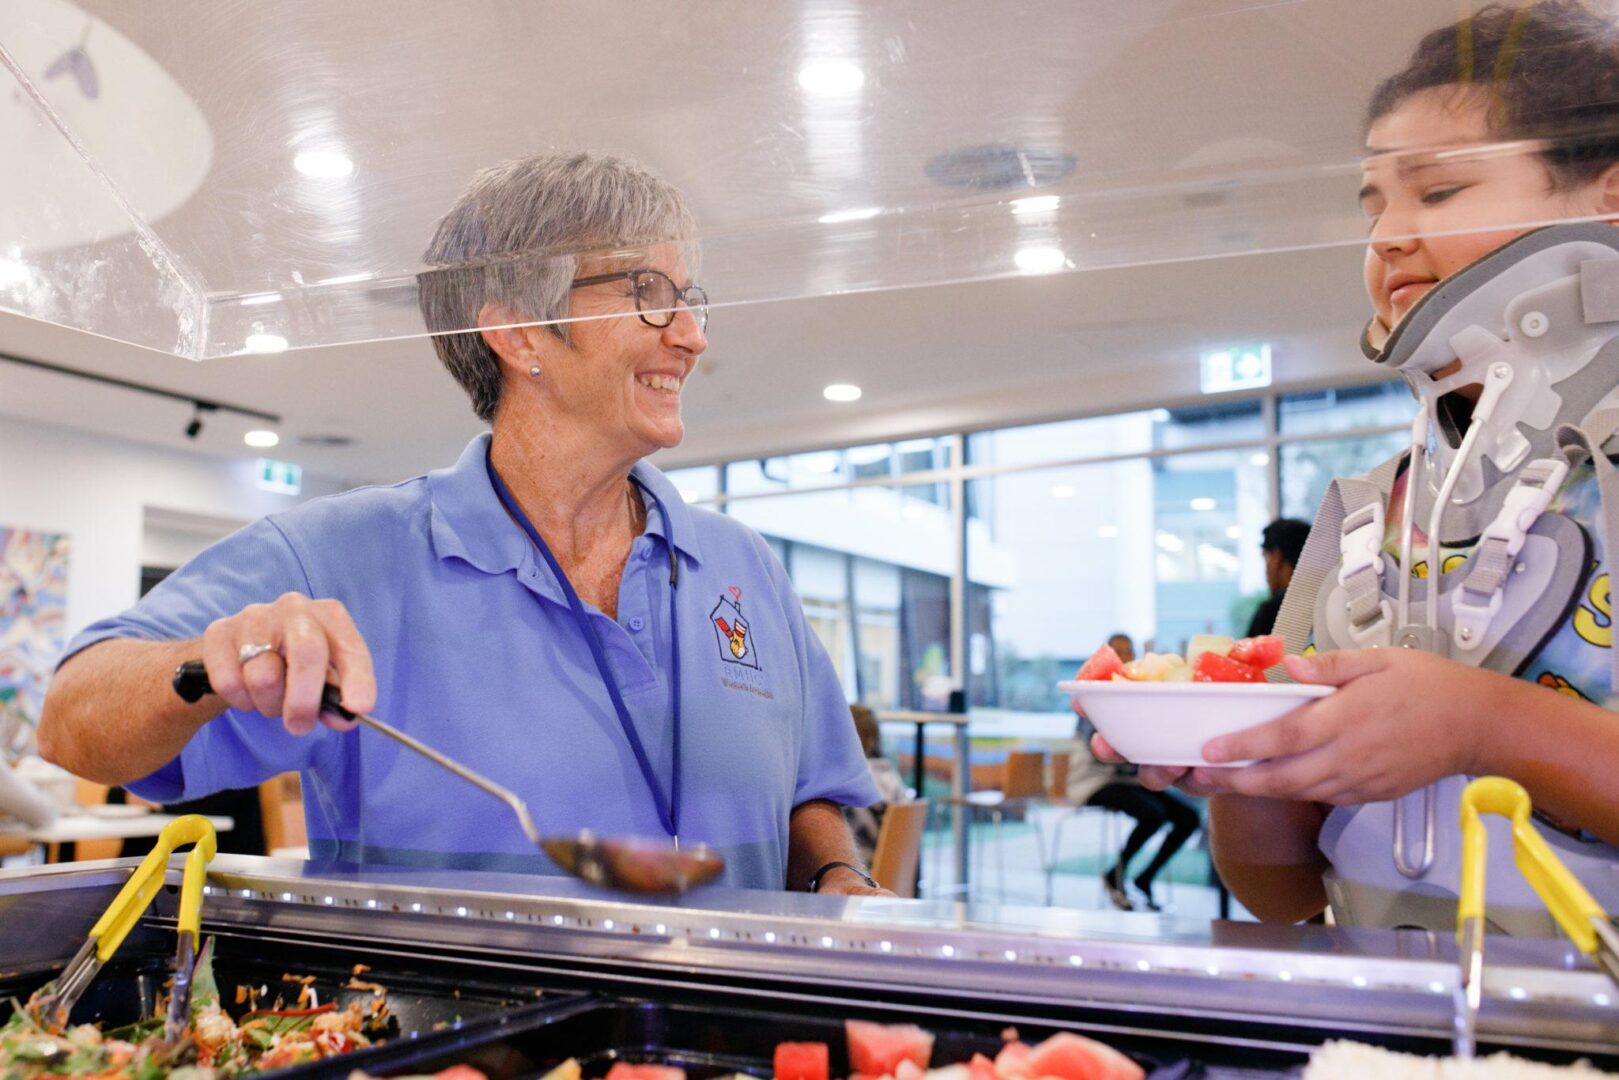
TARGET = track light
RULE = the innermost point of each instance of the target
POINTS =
(194, 428)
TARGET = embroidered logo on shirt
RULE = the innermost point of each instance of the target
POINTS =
(731, 630)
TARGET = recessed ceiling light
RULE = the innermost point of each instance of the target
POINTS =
(831, 77)
(841, 392)
(1062, 491)
(323, 164)
(261, 439)
(839, 216)
(265, 343)
(1036, 204)
(1203, 503)
(14, 272)
(1042, 259)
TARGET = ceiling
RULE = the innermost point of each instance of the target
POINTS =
(1211, 199)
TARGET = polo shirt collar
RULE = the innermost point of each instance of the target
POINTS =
(469, 522)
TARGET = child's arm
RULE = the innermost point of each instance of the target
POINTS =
(1266, 853)
(1402, 719)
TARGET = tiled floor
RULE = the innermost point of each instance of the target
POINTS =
(1009, 869)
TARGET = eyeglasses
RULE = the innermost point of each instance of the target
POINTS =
(656, 296)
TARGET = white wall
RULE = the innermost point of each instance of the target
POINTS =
(99, 491)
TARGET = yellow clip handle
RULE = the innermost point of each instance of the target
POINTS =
(136, 895)
(1568, 901)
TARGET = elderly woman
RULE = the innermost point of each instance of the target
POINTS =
(547, 610)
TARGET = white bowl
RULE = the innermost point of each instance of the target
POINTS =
(1168, 723)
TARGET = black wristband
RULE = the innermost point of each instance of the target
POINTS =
(815, 879)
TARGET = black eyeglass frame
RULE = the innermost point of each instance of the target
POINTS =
(699, 311)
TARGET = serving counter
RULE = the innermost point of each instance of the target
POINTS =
(538, 951)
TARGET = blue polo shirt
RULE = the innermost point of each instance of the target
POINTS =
(478, 655)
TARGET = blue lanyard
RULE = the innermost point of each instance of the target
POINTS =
(668, 809)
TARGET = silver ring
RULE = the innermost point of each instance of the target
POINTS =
(248, 652)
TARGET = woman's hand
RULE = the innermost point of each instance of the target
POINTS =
(307, 639)
(1400, 720)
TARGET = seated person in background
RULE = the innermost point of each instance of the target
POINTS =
(1092, 782)
(865, 822)
(1280, 543)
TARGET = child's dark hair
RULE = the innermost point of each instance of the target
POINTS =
(1549, 70)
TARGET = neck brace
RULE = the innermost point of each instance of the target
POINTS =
(1545, 305)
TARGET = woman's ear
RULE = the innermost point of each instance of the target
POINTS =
(503, 329)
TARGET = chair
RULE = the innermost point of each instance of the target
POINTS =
(282, 809)
(1019, 782)
(899, 847)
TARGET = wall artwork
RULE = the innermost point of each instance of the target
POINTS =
(33, 621)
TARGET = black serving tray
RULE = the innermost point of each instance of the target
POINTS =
(447, 1006)
(711, 1040)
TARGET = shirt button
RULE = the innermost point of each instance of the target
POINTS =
(636, 622)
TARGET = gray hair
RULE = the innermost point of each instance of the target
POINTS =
(514, 237)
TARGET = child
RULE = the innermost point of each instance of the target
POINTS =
(1506, 334)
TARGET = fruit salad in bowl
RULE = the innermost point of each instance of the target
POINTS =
(1162, 708)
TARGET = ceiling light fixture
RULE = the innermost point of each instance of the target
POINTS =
(842, 392)
(261, 439)
(1203, 503)
(1041, 259)
(1036, 204)
(838, 217)
(323, 164)
(194, 428)
(831, 77)
(265, 343)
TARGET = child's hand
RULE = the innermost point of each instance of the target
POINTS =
(1399, 721)
(1153, 777)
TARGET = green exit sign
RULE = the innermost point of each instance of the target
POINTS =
(1240, 367)
(280, 476)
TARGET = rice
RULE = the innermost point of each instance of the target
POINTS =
(1357, 1061)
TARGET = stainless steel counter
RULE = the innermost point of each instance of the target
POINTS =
(1137, 971)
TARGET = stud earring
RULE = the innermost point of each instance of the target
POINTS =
(534, 372)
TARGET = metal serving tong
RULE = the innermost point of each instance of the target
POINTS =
(636, 866)
(1575, 910)
(53, 1008)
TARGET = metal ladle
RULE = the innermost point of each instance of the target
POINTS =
(627, 865)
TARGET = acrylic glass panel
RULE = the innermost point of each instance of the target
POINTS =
(213, 177)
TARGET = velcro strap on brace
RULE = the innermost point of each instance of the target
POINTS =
(1361, 574)
(1479, 598)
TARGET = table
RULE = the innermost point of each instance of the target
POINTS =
(959, 783)
(72, 828)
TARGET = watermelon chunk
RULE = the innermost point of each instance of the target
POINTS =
(1259, 652)
(981, 1068)
(1211, 667)
(1013, 1061)
(1102, 666)
(803, 1061)
(623, 1070)
(1067, 1056)
(878, 1049)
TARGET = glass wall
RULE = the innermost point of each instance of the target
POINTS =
(1146, 523)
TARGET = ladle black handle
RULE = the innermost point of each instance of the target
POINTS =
(191, 683)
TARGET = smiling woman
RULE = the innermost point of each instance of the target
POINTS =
(615, 646)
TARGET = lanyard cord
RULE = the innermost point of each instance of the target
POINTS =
(668, 809)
